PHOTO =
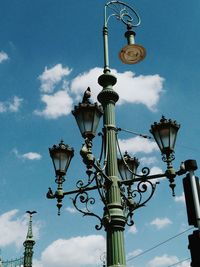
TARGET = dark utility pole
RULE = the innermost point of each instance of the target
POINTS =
(192, 196)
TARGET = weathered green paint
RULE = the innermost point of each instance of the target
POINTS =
(114, 220)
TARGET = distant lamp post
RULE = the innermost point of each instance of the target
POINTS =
(29, 242)
(120, 194)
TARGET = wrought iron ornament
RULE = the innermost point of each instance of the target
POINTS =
(122, 12)
(136, 189)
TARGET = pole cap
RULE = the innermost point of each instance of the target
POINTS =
(190, 165)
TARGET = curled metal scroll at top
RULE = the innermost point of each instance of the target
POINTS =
(123, 12)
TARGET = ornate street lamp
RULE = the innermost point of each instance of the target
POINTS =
(61, 155)
(120, 196)
(87, 116)
(165, 133)
(128, 167)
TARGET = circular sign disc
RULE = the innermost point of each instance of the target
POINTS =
(132, 54)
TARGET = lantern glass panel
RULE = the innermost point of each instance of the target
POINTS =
(173, 134)
(80, 122)
(165, 137)
(88, 118)
(128, 172)
(97, 117)
(61, 160)
(124, 172)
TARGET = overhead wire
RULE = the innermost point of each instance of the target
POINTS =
(150, 137)
(174, 264)
(150, 249)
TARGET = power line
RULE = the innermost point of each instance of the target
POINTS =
(169, 239)
(150, 137)
(179, 262)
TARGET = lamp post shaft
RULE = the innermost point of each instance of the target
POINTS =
(113, 220)
(106, 55)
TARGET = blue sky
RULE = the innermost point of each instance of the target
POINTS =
(50, 52)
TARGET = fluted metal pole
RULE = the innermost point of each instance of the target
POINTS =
(114, 220)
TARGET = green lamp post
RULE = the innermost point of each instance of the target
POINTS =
(115, 179)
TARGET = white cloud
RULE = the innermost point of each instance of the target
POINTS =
(82, 81)
(32, 156)
(2, 107)
(156, 170)
(137, 144)
(57, 105)
(184, 264)
(51, 77)
(139, 90)
(180, 198)
(3, 56)
(132, 229)
(148, 160)
(37, 263)
(28, 156)
(76, 251)
(71, 210)
(164, 260)
(161, 223)
(15, 228)
(134, 253)
(11, 106)
(131, 89)
(15, 105)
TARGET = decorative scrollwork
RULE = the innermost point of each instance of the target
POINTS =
(80, 183)
(129, 219)
(124, 13)
(143, 187)
(169, 158)
(134, 198)
(60, 180)
(84, 198)
(145, 171)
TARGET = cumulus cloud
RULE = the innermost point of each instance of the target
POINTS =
(63, 252)
(161, 223)
(132, 229)
(148, 160)
(71, 210)
(3, 56)
(134, 253)
(11, 106)
(140, 89)
(144, 90)
(180, 199)
(51, 77)
(57, 104)
(27, 156)
(164, 260)
(137, 144)
(14, 229)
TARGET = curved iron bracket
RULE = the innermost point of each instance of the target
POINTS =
(122, 12)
